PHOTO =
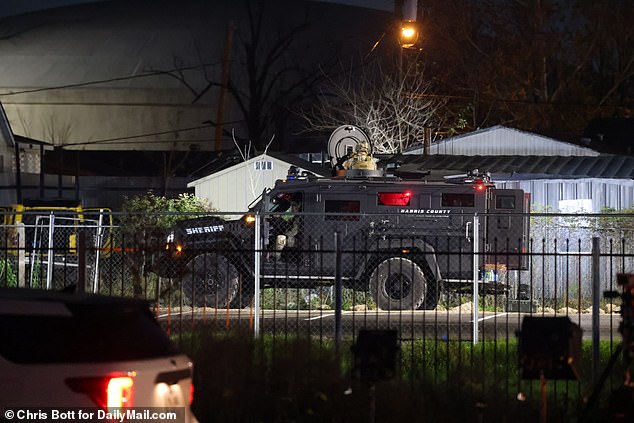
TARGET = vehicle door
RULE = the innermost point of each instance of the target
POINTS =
(508, 228)
(338, 211)
(285, 227)
(457, 247)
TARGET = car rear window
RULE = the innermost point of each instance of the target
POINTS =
(89, 333)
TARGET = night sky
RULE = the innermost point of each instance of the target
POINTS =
(16, 7)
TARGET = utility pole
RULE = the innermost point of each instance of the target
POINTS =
(410, 10)
(224, 85)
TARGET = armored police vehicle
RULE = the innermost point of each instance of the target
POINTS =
(400, 240)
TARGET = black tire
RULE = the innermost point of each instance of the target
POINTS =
(432, 295)
(245, 293)
(211, 280)
(398, 283)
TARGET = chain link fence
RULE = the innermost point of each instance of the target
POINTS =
(385, 264)
(436, 279)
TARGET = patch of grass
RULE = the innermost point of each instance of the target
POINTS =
(300, 379)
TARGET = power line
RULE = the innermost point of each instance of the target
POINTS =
(150, 134)
(130, 137)
(105, 81)
(204, 65)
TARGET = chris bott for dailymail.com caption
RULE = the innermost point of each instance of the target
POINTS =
(171, 415)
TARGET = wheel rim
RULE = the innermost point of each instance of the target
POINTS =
(214, 281)
(211, 280)
(398, 286)
(398, 283)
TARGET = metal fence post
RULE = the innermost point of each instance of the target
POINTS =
(21, 255)
(98, 246)
(258, 256)
(476, 260)
(81, 261)
(596, 296)
(338, 292)
(51, 252)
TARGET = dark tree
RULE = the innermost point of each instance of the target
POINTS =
(547, 66)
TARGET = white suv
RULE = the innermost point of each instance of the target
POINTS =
(62, 350)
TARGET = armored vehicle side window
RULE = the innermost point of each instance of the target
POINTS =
(342, 206)
(286, 202)
(394, 198)
(505, 202)
(458, 200)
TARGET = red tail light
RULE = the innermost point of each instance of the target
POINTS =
(106, 392)
(120, 392)
(191, 393)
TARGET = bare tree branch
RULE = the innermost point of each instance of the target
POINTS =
(395, 110)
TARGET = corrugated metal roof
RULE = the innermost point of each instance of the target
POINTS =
(501, 140)
(523, 167)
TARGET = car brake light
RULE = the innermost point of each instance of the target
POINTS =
(120, 392)
(191, 393)
(106, 392)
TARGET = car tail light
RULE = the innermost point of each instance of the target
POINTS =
(106, 392)
(120, 392)
(191, 393)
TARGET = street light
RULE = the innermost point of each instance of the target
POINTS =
(408, 40)
(408, 36)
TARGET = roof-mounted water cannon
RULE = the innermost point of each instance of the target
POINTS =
(476, 177)
(350, 151)
(479, 180)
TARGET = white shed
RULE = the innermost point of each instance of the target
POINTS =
(234, 188)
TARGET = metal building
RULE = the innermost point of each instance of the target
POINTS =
(559, 176)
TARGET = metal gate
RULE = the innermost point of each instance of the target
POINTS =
(54, 257)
